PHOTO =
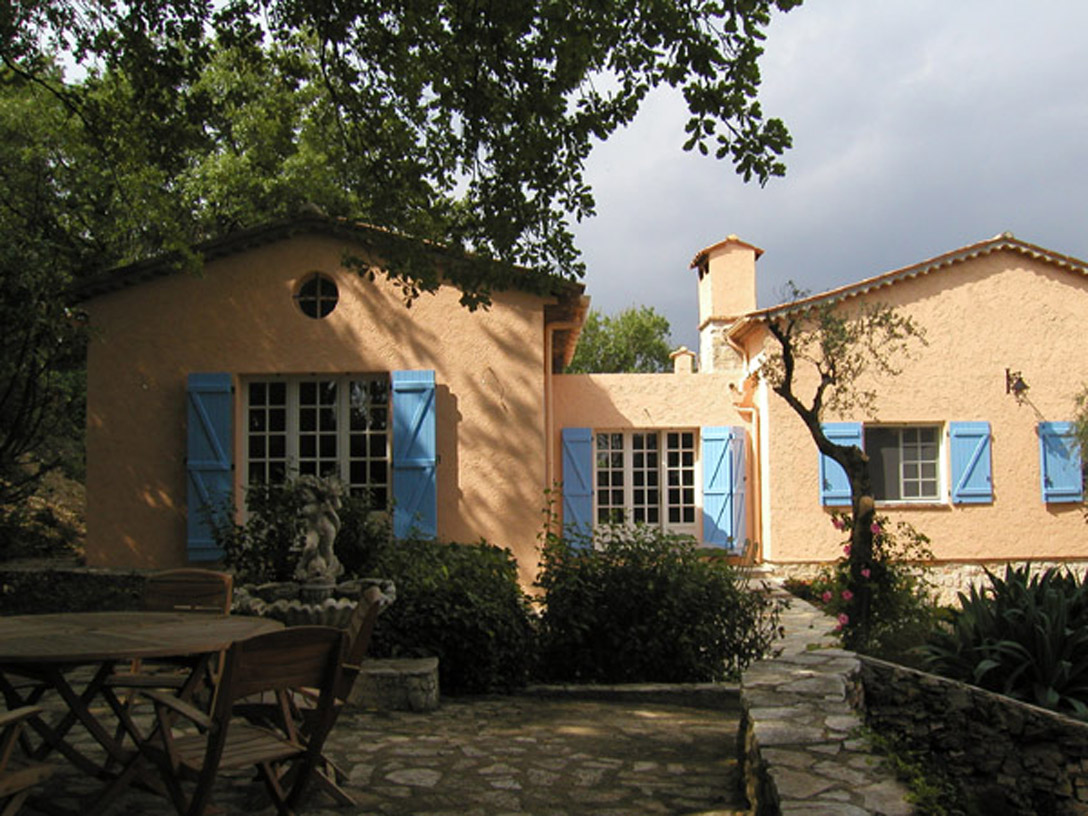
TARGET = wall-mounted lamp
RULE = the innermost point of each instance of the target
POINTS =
(1015, 385)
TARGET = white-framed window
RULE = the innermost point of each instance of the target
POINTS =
(646, 477)
(320, 426)
(905, 462)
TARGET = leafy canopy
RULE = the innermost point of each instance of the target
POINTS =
(636, 340)
(462, 123)
(466, 125)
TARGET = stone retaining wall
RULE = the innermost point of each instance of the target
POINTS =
(801, 745)
(1016, 758)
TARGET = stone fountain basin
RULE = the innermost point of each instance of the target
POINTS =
(289, 601)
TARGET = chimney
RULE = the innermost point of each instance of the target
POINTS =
(727, 291)
(683, 361)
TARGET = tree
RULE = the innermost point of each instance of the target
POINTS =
(464, 124)
(41, 351)
(635, 340)
(840, 350)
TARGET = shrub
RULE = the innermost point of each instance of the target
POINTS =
(461, 603)
(903, 608)
(1025, 636)
(641, 605)
(32, 592)
(266, 547)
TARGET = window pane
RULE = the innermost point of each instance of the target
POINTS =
(904, 462)
(882, 446)
(277, 420)
(277, 447)
(328, 446)
(307, 420)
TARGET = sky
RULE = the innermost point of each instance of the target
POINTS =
(919, 126)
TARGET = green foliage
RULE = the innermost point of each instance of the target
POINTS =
(932, 791)
(42, 340)
(468, 126)
(1025, 636)
(464, 127)
(634, 341)
(33, 592)
(461, 603)
(266, 547)
(903, 609)
(845, 350)
(641, 605)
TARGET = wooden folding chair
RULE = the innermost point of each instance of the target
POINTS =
(298, 657)
(359, 631)
(17, 780)
(189, 590)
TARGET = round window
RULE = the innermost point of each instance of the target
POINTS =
(317, 296)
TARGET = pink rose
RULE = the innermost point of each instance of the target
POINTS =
(838, 523)
(875, 528)
(827, 596)
(846, 550)
(843, 620)
(847, 594)
(865, 572)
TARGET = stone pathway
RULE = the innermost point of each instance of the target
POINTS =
(556, 755)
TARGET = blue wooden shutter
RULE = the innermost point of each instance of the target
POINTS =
(969, 457)
(834, 483)
(577, 481)
(209, 459)
(415, 455)
(724, 486)
(1060, 463)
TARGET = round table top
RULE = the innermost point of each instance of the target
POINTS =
(78, 637)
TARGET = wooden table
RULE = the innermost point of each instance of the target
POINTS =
(49, 648)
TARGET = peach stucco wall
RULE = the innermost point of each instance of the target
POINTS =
(239, 317)
(652, 401)
(981, 316)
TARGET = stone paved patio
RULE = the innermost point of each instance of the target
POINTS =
(543, 755)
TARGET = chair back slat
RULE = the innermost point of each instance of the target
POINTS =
(360, 627)
(299, 656)
(189, 590)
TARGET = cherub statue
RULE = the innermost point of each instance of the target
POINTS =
(318, 563)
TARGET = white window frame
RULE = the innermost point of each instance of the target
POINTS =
(940, 462)
(376, 456)
(634, 507)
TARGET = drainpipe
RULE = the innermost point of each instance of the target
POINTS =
(549, 399)
(752, 413)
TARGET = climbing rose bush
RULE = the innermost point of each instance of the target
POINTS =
(903, 609)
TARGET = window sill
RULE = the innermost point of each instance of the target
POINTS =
(910, 505)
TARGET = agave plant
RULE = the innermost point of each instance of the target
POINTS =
(1025, 636)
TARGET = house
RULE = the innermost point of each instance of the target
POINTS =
(278, 358)
(989, 471)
